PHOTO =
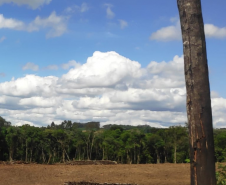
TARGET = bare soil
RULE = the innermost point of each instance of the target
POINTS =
(143, 174)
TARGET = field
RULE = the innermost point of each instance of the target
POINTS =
(147, 174)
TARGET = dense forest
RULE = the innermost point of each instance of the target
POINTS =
(87, 141)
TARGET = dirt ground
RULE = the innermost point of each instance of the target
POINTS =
(146, 174)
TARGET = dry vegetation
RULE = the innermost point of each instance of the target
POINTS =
(143, 174)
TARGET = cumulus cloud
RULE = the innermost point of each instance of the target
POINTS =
(39, 102)
(173, 32)
(109, 12)
(30, 66)
(219, 109)
(123, 24)
(101, 70)
(11, 23)
(56, 25)
(29, 86)
(173, 69)
(215, 32)
(168, 33)
(109, 88)
(34, 4)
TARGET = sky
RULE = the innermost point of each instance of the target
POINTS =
(112, 61)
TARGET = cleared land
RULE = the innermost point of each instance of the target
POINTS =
(147, 174)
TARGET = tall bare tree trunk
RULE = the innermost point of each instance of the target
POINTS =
(63, 155)
(175, 153)
(50, 155)
(103, 153)
(158, 157)
(30, 155)
(198, 93)
(43, 157)
(10, 154)
(26, 151)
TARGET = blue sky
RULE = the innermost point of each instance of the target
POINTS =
(53, 38)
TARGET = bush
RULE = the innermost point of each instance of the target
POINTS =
(221, 175)
(187, 160)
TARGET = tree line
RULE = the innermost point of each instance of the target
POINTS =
(87, 141)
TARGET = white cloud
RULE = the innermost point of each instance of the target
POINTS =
(56, 25)
(108, 88)
(29, 86)
(123, 24)
(110, 13)
(167, 33)
(39, 102)
(173, 69)
(31, 3)
(173, 32)
(71, 63)
(2, 39)
(30, 66)
(219, 109)
(101, 70)
(214, 31)
(83, 8)
(11, 23)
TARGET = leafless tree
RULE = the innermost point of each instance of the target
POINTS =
(198, 93)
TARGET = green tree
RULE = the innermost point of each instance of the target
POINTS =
(220, 146)
(62, 138)
(12, 141)
(4, 123)
(156, 143)
(178, 138)
(3, 144)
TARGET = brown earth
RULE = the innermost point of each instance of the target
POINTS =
(143, 174)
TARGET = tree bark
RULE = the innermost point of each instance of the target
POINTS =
(165, 153)
(63, 155)
(103, 153)
(31, 155)
(67, 155)
(50, 155)
(158, 157)
(175, 153)
(198, 93)
(10, 154)
(43, 157)
(26, 151)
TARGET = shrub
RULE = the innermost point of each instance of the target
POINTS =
(187, 160)
(221, 175)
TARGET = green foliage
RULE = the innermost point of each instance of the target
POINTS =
(122, 143)
(4, 123)
(187, 160)
(221, 175)
(220, 145)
